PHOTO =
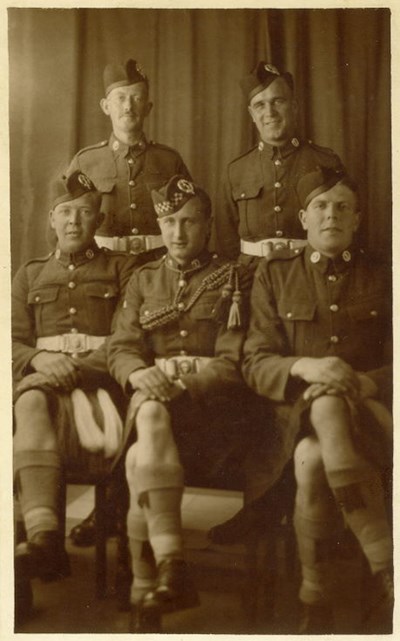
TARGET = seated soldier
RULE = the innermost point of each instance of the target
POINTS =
(317, 348)
(62, 310)
(177, 347)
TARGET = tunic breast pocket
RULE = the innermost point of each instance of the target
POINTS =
(205, 326)
(370, 321)
(297, 317)
(249, 204)
(45, 304)
(101, 302)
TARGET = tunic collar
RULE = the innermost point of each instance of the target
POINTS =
(324, 264)
(121, 149)
(197, 263)
(280, 152)
(78, 258)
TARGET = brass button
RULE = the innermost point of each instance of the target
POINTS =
(71, 284)
(183, 352)
(74, 330)
(106, 294)
(181, 306)
(243, 194)
(279, 233)
(132, 183)
(71, 267)
(277, 162)
(277, 208)
(183, 333)
(373, 313)
(37, 299)
(133, 206)
(277, 185)
(332, 278)
(334, 339)
(334, 308)
(135, 231)
(72, 310)
(130, 161)
(181, 283)
(315, 257)
(289, 315)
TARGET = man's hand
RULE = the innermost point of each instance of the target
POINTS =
(155, 384)
(59, 369)
(319, 389)
(331, 371)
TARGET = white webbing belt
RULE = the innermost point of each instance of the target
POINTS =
(265, 247)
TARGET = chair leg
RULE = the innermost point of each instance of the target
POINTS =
(101, 540)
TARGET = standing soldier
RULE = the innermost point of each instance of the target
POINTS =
(259, 204)
(125, 169)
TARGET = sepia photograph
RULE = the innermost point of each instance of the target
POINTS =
(201, 296)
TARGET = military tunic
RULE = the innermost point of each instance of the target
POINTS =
(65, 294)
(167, 313)
(126, 175)
(304, 304)
(259, 198)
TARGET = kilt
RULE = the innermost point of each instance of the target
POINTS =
(87, 440)
(223, 441)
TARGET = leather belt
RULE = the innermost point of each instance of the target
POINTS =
(130, 244)
(265, 247)
(177, 366)
(70, 343)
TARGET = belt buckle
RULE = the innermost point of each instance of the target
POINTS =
(74, 343)
(266, 247)
(186, 366)
(137, 244)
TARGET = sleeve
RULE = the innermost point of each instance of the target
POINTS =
(73, 166)
(226, 222)
(267, 360)
(23, 327)
(126, 347)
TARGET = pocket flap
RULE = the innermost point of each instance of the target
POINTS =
(101, 290)
(297, 310)
(369, 308)
(44, 295)
(247, 191)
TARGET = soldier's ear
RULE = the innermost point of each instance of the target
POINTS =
(51, 219)
(303, 218)
(104, 106)
(149, 108)
(250, 112)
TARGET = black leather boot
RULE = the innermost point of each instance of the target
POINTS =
(145, 620)
(175, 589)
(43, 556)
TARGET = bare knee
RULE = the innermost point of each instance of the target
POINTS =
(308, 464)
(30, 402)
(326, 409)
(34, 428)
(153, 421)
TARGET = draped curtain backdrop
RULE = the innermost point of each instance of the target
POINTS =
(194, 58)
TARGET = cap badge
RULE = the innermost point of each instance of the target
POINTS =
(85, 181)
(115, 145)
(295, 142)
(271, 69)
(89, 253)
(185, 186)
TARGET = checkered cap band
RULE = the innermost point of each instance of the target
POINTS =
(171, 198)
